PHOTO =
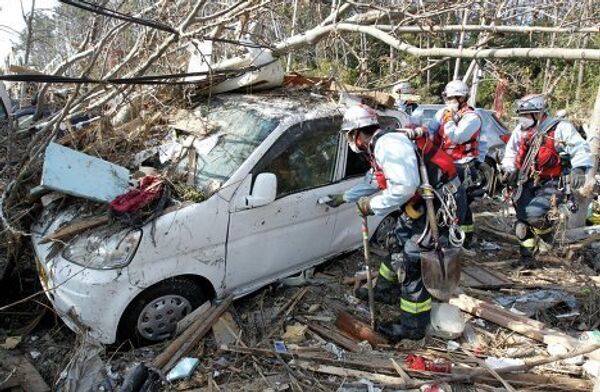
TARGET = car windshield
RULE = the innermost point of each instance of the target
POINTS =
(238, 133)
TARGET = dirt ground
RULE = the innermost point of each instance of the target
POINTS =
(49, 345)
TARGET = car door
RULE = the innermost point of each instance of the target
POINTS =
(295, 230)
(348, 232)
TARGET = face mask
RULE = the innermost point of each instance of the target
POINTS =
(526, 122)
(452, 105)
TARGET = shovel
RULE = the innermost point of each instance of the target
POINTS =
(365, 233)
(440, 267)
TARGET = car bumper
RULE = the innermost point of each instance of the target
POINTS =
(88, 301)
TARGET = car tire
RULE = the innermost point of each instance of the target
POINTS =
(153, 315)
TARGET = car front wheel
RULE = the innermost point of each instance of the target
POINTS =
(154, 314)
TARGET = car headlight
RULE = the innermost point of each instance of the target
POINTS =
(103, 249)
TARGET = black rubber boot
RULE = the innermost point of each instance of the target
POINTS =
(527, 260)
(384, 291)
(396, 332)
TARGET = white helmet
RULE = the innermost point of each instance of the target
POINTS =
(403, 88)
(532, 103)
(456, 88)
(359, 116)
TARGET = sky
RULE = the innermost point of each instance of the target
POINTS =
(11, 18)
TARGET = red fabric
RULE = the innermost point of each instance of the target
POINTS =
(380, 179)
(433, 154)
(150, 189)
(417, 362)
(547, 161)
(457, 151)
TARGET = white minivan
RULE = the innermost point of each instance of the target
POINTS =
(273, 159)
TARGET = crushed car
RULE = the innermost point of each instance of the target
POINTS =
(264, 165)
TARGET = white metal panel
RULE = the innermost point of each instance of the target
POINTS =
(267, 240)
(74, 173)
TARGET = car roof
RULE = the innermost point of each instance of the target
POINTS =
(279, 103)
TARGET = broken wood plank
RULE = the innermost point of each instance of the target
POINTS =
(360, 277)
(73, 228)
(403, 375)
(541, 382)
(331, 335)
(185, 322)
(479, 277)
(497, 315)
(343, 372)
(357, 329)
(190, 337)
(226, 330)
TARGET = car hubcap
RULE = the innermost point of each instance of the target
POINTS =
(158, 320)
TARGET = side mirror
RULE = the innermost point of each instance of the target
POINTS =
(264, 190)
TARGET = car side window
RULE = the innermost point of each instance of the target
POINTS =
(304, 157)
(356, 164)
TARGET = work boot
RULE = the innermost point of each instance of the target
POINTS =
(526, 261)
(396, 332)
(384, 291)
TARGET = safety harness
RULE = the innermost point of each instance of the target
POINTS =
(440, 165)
(547, 162)
(463, 150)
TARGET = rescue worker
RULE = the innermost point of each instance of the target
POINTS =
(395, 172)
(456, 130)
(404, 90)
(534, 170)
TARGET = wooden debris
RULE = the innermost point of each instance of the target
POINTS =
(479, 277)
(285, 310)
(371, 98)
(226, 330)
(190, 337)
(359, 277)
(184, 323)
(374, 363)
(24, 376)
(531, 328)
(492, 372)
(357, 329)
(343, 372)
(331, 335)
(71, 229)
(403, 375)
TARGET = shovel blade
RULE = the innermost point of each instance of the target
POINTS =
(440, 270)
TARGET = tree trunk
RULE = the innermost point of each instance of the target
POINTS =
(580, 73)
(294, 21)
(593, 138)
(312, 36)
(461, 39)
(28, 42)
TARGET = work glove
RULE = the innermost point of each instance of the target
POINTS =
(363, 206)
(337, 199)
(577, 177)
(413, 133)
